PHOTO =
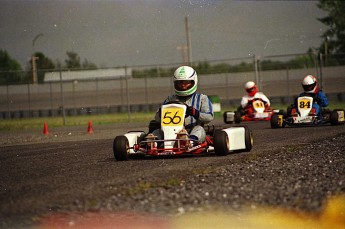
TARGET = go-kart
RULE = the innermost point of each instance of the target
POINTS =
(259, 112)
(304, 115)
(175, 138)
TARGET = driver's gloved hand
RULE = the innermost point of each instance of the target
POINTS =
(191, 111)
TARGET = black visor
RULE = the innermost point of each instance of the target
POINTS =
(250, 89)
(179, 85)
(309, 87)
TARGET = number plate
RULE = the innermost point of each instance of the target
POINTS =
(258, 104)
(304, 103)
(172, 116)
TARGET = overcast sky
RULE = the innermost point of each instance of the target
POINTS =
(127, 32)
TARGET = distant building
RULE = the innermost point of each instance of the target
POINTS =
(101, 74)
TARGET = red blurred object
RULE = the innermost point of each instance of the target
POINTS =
(45, 128)
(89, 128)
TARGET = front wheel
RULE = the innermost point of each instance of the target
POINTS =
(221, 143)
(121, 148)
(248, 139)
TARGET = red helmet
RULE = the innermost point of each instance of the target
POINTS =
(309, 84)
(251, 88)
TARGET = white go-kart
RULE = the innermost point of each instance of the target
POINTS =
(176, 140)
(304, 115)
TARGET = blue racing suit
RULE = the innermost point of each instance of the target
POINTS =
(320, 100)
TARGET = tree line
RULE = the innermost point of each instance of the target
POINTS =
(11, 72)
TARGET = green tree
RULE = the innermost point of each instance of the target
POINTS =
(43, 64)
(334, 42)
(88, 65)
(73, 61)
(10, 69)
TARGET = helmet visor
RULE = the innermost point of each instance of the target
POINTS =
(183, 85)
(249, 90)
(309, 87)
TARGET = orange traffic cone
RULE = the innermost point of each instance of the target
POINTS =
(89, 128)
(45, 128)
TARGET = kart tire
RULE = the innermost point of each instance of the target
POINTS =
(238, 117)
(248, 139)
(288, 110)
(275, 121)
(121, 148)
(221, 143)
(334, 117)
(284, 113)
(225, 116)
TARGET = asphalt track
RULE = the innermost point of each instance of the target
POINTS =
(69, 177)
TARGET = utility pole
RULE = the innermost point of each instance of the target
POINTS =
(183, 49)
(189, 45)
(34, 69)
(33, 59)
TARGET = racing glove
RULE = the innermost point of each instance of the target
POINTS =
(191, 111)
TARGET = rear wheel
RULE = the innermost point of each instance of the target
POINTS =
(225, 118)
(221, 143)
(275, 121)
(238, 117)
(334, 117)
(121, 148)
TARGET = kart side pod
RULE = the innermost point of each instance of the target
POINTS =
(237, 137)
(134, 137)
(233, 139)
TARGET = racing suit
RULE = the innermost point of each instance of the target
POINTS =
(320, 100)
(193, 123)
(246, 102)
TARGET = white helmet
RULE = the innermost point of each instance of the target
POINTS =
(309, 84)
(185, 81)
(251, 88)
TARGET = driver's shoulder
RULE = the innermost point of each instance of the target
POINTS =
(260, 94)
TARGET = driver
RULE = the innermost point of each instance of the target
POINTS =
(311, 89)
(199, 107)
(252, 94)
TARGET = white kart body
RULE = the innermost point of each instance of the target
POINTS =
(133, 139)
(259, 112)
(304, 106)
(236, 136)
(172, 122)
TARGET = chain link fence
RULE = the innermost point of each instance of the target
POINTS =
(143, 88)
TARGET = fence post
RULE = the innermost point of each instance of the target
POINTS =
(62, 99)
(256, 73)
(287, 83)
(51, 99)
(146, 92)
(127, 93)
(321, 65)
(97, 103)
(29, 100)
(8, 101)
